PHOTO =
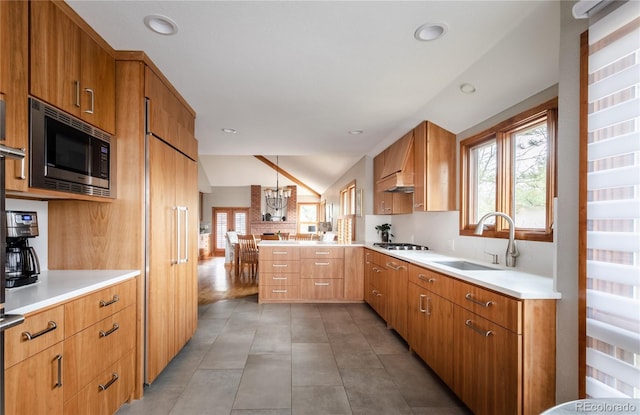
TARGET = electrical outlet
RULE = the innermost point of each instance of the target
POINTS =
(451, 244)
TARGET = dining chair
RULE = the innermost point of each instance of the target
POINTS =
(248, 254)
(231, 250)
(269, 237)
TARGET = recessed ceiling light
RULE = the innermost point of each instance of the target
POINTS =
(467, 88)
(430, 31)
(161, 24)
(356, 132)
(229, 130)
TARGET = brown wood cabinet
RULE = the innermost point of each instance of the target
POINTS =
(435, 168)
(14, 65)
(61, 353)
(396, 273)
(388, 203)
(71, 67)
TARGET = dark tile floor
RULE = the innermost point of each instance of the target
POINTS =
(275, 359)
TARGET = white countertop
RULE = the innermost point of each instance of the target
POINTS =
(61, 285)
(505, 280)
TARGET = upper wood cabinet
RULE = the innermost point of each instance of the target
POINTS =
(14, 66)
(435, 168)
(388, 203)
(69, 68)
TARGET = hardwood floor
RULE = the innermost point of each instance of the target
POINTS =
(217, 281)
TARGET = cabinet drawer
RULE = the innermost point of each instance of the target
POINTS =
(495, 307)
(35, 385)
(430, 280)
(289, 292)
(321, 252)
(278, 279)
(279, 266)
(92, 350)
(322, 289)
(271, 253)
(38, 332)
(107, 391)
(85, 311)
(322, 268)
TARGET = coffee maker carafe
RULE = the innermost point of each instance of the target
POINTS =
(21, 266)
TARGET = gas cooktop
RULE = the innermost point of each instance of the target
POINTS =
(400, 246)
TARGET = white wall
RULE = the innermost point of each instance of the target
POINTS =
(40, 243)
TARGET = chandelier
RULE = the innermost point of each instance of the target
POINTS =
(278, 197)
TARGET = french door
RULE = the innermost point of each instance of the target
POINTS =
(228, 219)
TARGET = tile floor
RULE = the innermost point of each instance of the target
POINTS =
(277, 359)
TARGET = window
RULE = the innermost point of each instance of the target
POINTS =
(510, 168)
(346, 227)
(308, 217)
(610, 207)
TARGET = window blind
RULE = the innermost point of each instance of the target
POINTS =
(613, 206)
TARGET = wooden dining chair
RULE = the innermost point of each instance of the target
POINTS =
(248, 254)
(269, 237)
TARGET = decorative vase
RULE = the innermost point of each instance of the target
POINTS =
(385, 236)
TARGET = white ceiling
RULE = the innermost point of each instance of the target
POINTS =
(293, 77)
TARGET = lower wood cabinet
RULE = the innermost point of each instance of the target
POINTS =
(74, 358)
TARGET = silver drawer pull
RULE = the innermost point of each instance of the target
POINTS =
(478, 330)
(424, 278)
(59, 382)
(280, 252)
(279, 291)
(322, 252)
(322, 263)
(395, 267)
(280, 265)
(376, 269)
(104, 303)
(108, 332)
(51, 326)
(324, 284)
(104, 387)
(484, 304)
(280, 278)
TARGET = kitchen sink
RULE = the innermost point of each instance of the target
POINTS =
(466, 266)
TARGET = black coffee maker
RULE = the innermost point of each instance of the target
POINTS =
(22, 266)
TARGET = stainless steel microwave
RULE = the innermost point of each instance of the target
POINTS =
(67, 154)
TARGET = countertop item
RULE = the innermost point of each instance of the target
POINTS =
(504, 280)
(61, 285)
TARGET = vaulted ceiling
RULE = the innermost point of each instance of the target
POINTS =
(293, 78)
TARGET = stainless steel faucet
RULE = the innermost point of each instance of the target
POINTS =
(512, 249)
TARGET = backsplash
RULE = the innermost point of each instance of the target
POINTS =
(41, 243)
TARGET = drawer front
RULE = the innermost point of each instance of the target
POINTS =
(92, 350)
(33, 385)
(321, 252)
(289, 292)
(38, 332)
(279, 266)
(271, 253)
(85, 311)
(277, 279)
(322, 268)
(322, 289)
(430, 280)
(493, 306)
(107, 391)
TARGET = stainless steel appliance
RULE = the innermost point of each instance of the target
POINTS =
(67, 154)
(396, 246)
(6, 320)
(21, 264)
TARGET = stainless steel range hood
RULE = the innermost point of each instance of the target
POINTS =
(398, 172)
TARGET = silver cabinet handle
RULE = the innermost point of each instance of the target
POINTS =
(77, 85)
(92, 95)
(50, 327)
(424, 278)
(478, 330)
(278, 291)
(321, 284)
(322, 263)
(104, 387)
(108, 332)
(58, 384)
(322, 252)
(22, 175)
(280, 265)
(376, 269)
(280, 278)
(395, 267)
(484, 304)
(104, 303)
(280, 252)
(179, 234)
(175, 260)
(186, 235)
(422, 310)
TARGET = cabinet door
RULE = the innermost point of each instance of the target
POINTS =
(378, 291)
(34, 386)
(486, 364)
(353, 274)
(397, 280)
(55, 57)
(14, 44)
(162, 257)
(98, 84)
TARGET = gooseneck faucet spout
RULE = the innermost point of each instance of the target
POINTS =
(512, 249)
